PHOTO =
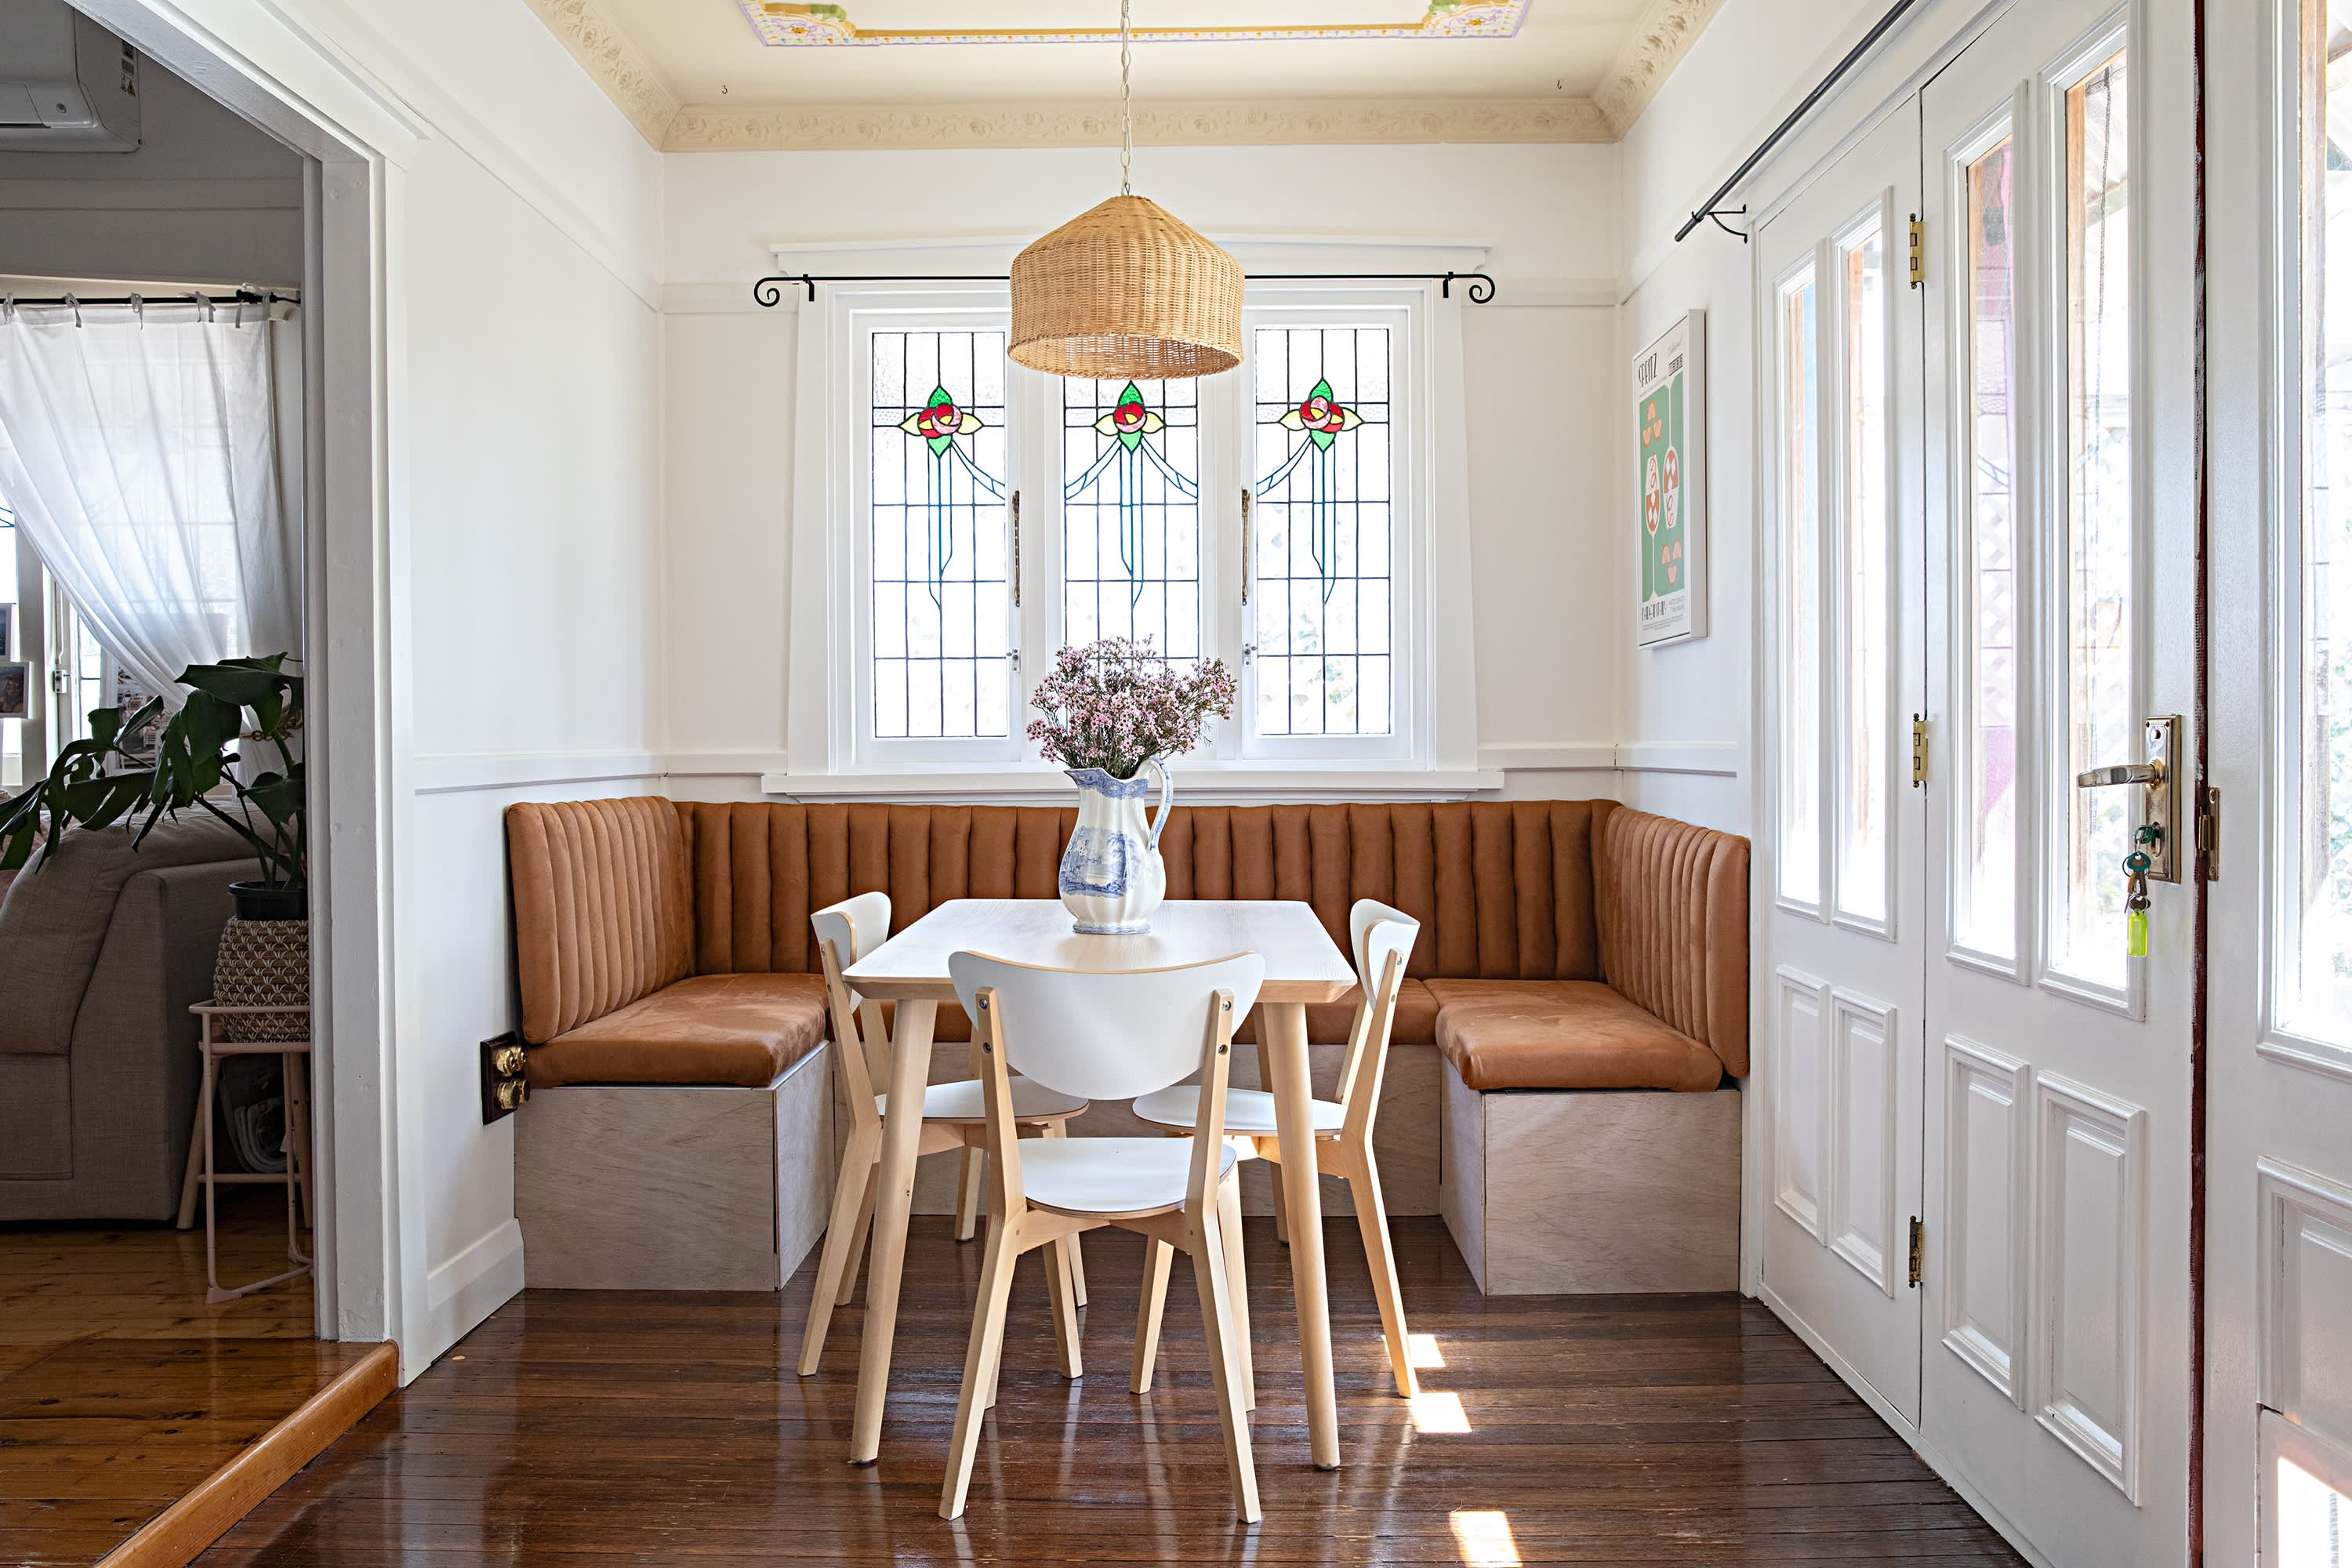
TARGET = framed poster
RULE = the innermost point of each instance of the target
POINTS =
(15, 690)
(1669, 416)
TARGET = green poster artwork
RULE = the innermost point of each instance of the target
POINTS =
(1665, 407)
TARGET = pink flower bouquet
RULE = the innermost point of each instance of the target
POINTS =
(1117, 704)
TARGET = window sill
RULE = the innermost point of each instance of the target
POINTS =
(1206, 783)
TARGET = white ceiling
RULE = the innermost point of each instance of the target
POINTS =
(1560, 69)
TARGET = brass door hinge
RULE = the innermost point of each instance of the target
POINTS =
(2209, 833)
(1918, 1249)
(1919, 251)
(1918, 750)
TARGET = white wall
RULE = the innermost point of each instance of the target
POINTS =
(206, 198)
(1755, 59)
(1539, 365)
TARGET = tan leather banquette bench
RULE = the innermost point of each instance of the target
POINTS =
(1565, 946)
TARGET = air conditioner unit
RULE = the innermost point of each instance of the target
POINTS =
(67, 85)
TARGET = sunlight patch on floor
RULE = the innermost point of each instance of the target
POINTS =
(1423, 1352)
(1484, 1536)
(1437, 1413)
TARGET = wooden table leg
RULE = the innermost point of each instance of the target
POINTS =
(894, 1199)
(1281, 1025)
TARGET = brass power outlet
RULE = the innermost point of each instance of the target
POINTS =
(504, 1091)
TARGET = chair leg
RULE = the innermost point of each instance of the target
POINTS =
(845, 1235)
(189, 1181)
(1061, 1128)
(1065, 1309)
(1373, 1221)
(980, 1359)
(971, 1166)
(858, 1236)
(1229, 1230)
(1281, 1210)
(1216, 1307)
(1157, 1255)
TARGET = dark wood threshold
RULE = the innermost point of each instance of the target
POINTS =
(176, 1536)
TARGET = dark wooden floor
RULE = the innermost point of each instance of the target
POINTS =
(121, 1389)
(600, 1427)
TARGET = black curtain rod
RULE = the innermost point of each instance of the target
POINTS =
(184, 296)
(769, 292)
(1713, 208)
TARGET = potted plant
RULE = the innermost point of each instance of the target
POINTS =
(1112, 709)
(209, 756)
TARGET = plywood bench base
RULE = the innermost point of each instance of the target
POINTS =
(1583, 1192)
(674, 1187)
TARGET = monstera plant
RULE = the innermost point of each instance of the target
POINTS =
(230, 751)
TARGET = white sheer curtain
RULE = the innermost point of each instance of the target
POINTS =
(140, 450)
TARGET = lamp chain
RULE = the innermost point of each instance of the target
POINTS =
(1126, 106)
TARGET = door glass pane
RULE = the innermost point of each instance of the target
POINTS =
(2099, 721)
(1985, 905)
(2316, 985)
(1863, 742)
(1801, 592)
(2314, 1520)
(1131, 513)
(941, 604)
(1323, 589)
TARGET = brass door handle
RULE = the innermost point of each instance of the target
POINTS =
(2121, 773)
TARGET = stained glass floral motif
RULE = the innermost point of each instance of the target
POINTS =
(1130, 421)
(937, 535)
(1320, 572)
(936, 425)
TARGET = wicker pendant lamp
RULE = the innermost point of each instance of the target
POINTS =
(1124, 290)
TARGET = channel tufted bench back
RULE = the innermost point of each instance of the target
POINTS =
(616, 898)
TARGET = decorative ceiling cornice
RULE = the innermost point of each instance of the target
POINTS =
(797, 25)
(614, 62)
(1660, 40)
(715, 128)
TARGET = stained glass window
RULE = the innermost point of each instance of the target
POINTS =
(1131, 512)
(936, 530)
(1322, 579)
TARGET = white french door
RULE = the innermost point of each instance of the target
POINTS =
(1847, 827)
(2061, 559)
(2278, 1450)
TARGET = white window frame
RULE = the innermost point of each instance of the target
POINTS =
(831, 751)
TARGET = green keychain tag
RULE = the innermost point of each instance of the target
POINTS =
(2135, 933)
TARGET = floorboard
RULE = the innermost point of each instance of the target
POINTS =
(122, 1391)
(617, 1427)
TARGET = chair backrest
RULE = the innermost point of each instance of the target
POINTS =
(855, 927)
(845, 932)
(1382, 940)
(1105, 1035)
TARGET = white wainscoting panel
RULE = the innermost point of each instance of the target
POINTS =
(2306, 1298)
(1861, 1219)
(1800, 1101)
(1988, 1214)
(2089, 1283)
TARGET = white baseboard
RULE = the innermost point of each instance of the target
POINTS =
(461, 1292)
(1903, 1428)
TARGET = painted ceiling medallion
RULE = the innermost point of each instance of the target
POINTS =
(787, 24)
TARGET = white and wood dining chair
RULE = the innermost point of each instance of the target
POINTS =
(1383, 939)
(953, 1118)
(1109, 1035)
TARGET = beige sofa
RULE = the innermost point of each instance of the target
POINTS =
(101, 952)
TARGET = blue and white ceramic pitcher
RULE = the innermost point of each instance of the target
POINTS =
(1112, 875)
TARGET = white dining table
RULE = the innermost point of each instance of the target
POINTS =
(1302, 965)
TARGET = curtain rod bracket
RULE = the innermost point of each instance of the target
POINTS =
(1716, 215)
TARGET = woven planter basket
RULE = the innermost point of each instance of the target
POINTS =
(263, 964)
(1124, 290)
